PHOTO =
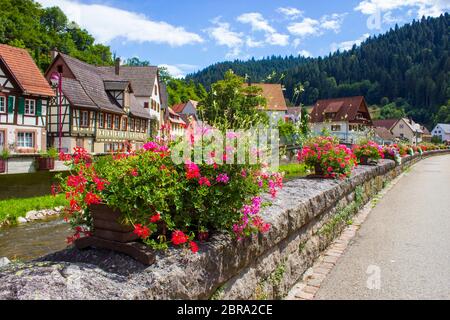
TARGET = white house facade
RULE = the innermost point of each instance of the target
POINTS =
(442, 130)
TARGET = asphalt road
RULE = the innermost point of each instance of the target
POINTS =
(402, 250)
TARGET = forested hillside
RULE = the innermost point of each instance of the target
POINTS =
(405, 71)
(25, 24)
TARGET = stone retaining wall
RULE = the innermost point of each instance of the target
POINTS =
(306, 216)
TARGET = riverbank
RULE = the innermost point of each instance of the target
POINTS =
(14, 211)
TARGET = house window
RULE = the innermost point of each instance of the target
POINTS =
(336, 127)
(109, 121)
(101, 120)
(116, 122)
(146, 105)
(124, 124)
(402, 126)
(156, 90)
(131, 124)
(138, 125)
(144, 126)
(25, 139)
(30, 107)
(84, 119)
(2, 104)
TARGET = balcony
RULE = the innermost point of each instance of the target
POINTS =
(106, 134)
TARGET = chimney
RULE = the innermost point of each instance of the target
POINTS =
(117, 65)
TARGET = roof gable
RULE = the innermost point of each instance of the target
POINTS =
(444, 127)
(274, 96)
(340, 109)
(25, 72)
(143, 79)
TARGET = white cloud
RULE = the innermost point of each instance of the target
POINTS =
(277, 39)
(290, 12)
(304, 28)
(179, 70)
(424, 7)
(313, 27)
(107, 23)
(258, 23)
(251, 43)
(223, 35)
(347, 45)
(332, 22)
(305, 53)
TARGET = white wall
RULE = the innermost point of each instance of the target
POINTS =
(439, 132)
(11, 135)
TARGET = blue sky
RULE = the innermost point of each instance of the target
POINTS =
(189, 35)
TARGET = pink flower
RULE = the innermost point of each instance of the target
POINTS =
(192, 171)
(204, 181)
(150, 146)
(223, 178)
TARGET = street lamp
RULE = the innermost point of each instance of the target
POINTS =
(56, 80)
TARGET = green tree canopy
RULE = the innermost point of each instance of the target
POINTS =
(230, 104)
(25, 24)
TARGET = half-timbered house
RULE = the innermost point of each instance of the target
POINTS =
(147, 90)
(24, 94)
(97, 110)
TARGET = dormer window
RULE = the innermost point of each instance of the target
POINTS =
(330, 115)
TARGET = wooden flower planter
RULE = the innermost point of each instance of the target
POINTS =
(2, 165)
(44, 164)
(110, 234)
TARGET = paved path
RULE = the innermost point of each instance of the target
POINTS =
(405, 240)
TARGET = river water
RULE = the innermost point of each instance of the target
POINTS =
(32, 240)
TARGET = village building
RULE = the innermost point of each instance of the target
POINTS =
(346, 118)
(188, 108)
(146, 88)
(442, 130)
(276, 107)
(404, 129)
(97, 109)
(293, 114)
(24, 96)
(383, 136)
(177, 126)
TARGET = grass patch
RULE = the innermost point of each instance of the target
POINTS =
(293, 170)
(11, 209)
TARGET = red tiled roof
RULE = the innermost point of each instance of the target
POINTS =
(178, 107)
(274, 96)
(386, 123)
(345, 109)
(25, 71)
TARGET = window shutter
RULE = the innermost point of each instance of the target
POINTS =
(21, 109)
(10, 104)
(39, 107)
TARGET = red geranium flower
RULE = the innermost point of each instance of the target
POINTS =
(155, 218)
(178, 237)
(92, 198)
(194, 246)
(142, 232)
